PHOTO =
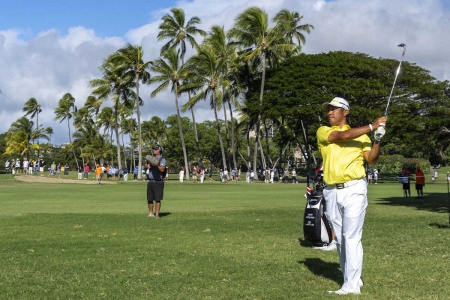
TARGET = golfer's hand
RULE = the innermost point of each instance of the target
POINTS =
(379, 122)
(379, 133)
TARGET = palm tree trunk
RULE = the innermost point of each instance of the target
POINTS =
(232, 137)
(226, 134)
(263, 157)
(180, 129)
(197, 144)
(70, 142)
(138, 112)
(266, 132)
(116, 131)
(37, 127)
(258, 122)
(132, 160)
(124, 154)
(220, 136)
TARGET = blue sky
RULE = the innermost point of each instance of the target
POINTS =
(107, 17)
(49, 48)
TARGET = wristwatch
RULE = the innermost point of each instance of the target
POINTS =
(376, 142)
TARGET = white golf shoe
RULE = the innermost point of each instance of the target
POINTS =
(342, 292)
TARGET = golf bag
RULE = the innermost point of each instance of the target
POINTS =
(316, 227)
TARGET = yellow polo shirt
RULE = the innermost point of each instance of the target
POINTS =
(342, 161)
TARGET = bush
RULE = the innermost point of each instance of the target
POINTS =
(393, 164)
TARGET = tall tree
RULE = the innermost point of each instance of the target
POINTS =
(207, 73)
(93, 104)
(289, 23)
(33, 108)
(174, 28)
(251, 30)
(231, 87)
(117, 84)
(170, 73)
(49, 131)
(131, 59)
(65, 110)
(18, 137)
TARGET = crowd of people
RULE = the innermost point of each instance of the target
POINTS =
(40, 167)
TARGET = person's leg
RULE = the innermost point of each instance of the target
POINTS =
(150, 208)
(354, 204)
(158, 195)
(157, 208)
(334, 216)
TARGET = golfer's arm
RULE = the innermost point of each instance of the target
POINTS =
(339, 136)
(372, 156)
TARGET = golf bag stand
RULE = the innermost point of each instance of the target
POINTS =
(316, 227)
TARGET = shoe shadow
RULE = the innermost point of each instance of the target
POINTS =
(324, 269)
(164, 214)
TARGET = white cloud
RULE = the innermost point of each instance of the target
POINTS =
(52, 64)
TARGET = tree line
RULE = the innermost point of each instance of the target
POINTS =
(255, 71)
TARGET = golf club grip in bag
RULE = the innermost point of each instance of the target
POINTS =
(316, 227)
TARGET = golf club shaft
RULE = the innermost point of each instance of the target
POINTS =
(395, 80)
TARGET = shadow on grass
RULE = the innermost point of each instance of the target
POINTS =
(442, 226)
(434, 202)
(323, 268)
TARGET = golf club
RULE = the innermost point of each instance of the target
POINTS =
(395, 79)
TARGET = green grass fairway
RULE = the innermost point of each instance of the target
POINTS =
(213, 241)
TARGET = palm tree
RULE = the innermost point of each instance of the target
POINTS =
(115, 83)
(33, 108)
(65, 110)
(289, 23)
(251, 30)
(169, 72)
(49, 131)
(207, 71)
(231, 87)
(129, 126)
(131, 59)
(173, 27)
(105, 119)
(158, 132)
(20, 134)
(93, 104)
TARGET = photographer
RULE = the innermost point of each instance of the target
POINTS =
(156, 167)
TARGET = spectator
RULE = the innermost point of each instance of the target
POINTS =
(294, 176)
(404, 178)
(98, 174)
(42, 167)
(420, 182)
(135, 172)
(80, 172)
(66, 170)
(375, 176)
(202, 175)
(86, 171)
(181, 175)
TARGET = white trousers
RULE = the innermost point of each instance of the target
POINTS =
(345, 210)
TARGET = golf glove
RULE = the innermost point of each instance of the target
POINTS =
(380, 132)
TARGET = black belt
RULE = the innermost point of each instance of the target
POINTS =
(153, 180)
(344, 185)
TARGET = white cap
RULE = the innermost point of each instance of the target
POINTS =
(337, 102)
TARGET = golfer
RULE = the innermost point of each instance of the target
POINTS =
(343, 151)
(156, 169)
